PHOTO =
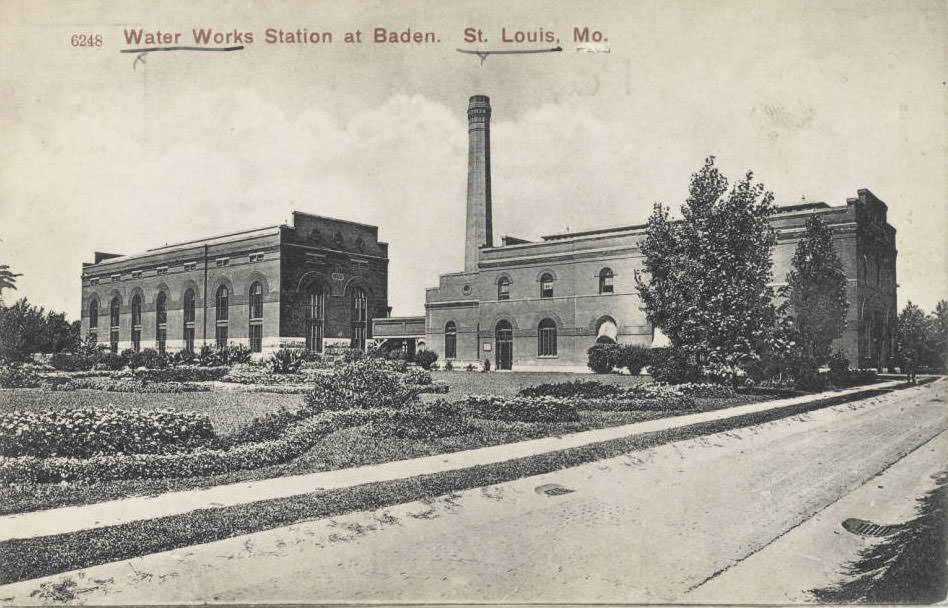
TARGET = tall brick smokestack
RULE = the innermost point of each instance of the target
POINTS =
(479, 230)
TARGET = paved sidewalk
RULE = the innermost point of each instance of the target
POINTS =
(115, 512)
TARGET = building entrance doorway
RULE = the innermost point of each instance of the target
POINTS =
(503, 345)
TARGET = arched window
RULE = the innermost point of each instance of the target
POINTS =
(114, 324)
(503, 288)
(546, 338)
(605, 281)
(189, 320)
(221, 313)
(315, 313)
(256, 318)
(161, 321)
(450, 340)
(93, 318)
(359, 313)
(136, 323)
(546, 285)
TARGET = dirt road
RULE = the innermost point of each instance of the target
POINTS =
(645, 527)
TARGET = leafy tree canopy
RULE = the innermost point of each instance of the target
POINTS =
(708, 274)
(817, 291)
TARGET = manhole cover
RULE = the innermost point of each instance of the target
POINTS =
(552, 489)
(867, 528)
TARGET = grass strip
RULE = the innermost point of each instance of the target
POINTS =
(25, 559)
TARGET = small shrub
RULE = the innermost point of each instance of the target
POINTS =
(71, 362)
(632, 357)
(486, 367)
(15, 375)
(285, 361)
(601, 358)
(426, 358)
(110, 360)
(182, 357)
(448, 366)
(470, 367)
(148, 358)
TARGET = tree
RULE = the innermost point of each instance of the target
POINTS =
(26, 329)
(7, 279)
(817, 293)
(916, 339)
(940, 328)
(708, 275)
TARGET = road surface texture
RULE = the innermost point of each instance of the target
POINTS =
(660, 525)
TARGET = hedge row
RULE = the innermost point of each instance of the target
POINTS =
(199, 462)
(85, 432)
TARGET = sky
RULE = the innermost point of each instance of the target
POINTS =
(103, 153)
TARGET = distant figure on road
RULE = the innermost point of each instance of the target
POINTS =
(909, 367)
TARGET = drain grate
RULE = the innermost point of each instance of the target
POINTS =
(552, 489)
(867, 528)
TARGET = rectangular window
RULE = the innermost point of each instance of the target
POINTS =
(136, 340)
(161, 270)
(137, 274)
(256, 257)
(189, 339)
(256, 337)
(94, 281)
(190, 266)
(221, 262)
(116, 278)
(113, 339)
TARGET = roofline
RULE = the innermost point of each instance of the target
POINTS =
(334, 219)
(210, 238)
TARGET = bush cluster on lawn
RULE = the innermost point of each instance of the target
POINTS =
(426, 358)
(604, 358)
(15, 375)
(286, 361)
(363, 384)
(86, 432)
(97, 356)
(252, 374)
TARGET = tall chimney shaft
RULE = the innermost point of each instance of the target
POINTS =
(479, 230)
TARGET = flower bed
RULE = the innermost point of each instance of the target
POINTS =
(199, 462)
(591, 389)
(429, 421)
(521, 409)
(86, 432)
(181, 374)
(13, 375)
(125, 385)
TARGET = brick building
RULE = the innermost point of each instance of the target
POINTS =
(314, 284)
(540, 305)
